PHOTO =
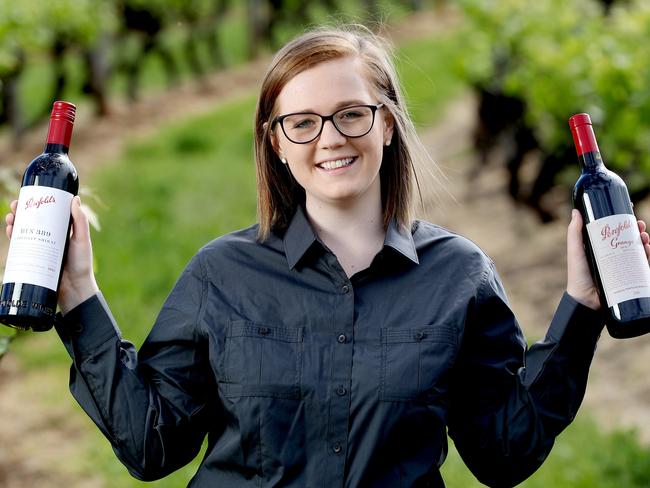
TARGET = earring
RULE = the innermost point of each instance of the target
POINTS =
(284, 160)
(387, 143)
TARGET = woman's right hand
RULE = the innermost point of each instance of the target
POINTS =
(78, 280)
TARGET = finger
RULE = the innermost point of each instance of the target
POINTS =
(10, 218)
(576, 220)
(645, 240)
(642, 225)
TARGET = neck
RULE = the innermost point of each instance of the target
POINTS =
(354, 232)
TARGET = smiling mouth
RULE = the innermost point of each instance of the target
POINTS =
(337, 163)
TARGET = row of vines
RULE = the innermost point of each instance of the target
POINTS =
(533, 64)
(110, 38)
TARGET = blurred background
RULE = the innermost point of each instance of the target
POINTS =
(165, 93)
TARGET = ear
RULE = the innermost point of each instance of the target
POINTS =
(389, 127)
(275, 143)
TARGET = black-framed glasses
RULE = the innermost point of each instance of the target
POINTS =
(305, 127)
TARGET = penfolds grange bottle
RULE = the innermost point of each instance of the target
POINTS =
(612, 241)
(41, 230)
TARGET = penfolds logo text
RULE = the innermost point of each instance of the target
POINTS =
(34, 203)
(615, 235)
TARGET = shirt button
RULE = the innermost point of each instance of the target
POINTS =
(342, 338)
(341, 391)
(345, 288)
(337, 447)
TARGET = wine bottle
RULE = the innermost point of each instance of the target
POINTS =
(41, 230)
(611, 236)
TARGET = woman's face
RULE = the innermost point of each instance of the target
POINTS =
(333, 169)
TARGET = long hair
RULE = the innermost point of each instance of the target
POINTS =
(278, 194)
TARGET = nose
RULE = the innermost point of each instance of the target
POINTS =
(330, 136)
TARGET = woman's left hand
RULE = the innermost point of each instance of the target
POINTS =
(580, 285)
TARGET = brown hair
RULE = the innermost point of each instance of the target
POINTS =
(278, 194)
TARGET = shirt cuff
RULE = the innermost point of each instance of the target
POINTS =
(572, 336)
(87, 326)
(577, 324)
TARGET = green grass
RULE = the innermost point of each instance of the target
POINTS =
(583, 457)
(174, 191)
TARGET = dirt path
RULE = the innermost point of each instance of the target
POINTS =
(34, 440)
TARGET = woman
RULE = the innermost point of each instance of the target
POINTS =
(335, 342)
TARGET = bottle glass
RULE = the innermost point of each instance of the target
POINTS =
(41, 230)
(612, 240)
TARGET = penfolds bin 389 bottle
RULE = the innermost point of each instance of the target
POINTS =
(612, 241)
(41, 230)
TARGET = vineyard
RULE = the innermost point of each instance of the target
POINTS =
(491, 85)
(534, 64)
(94, 49)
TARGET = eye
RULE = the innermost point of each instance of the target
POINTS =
(300, 122)
(352, 115)
(303, 124)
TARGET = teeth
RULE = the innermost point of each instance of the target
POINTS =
(339, 163)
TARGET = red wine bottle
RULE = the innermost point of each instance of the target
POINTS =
(612, 241)
(41, 231)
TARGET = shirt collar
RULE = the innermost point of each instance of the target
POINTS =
(300, 236)
(401, 239)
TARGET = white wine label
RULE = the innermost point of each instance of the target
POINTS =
(38, 238)
(620, 258)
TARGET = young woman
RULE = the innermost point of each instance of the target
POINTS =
(337, 341)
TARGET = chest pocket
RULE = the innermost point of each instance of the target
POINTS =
(415, 361)
(262, 360)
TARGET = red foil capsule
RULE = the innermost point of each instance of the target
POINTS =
(583, 134)
(61, 123)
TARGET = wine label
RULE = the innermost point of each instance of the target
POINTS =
(620, 258)
(38, 239)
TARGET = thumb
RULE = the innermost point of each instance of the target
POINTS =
(574, 236)
(80, 225)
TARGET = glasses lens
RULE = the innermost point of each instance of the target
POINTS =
(354, 121)
(301, 127)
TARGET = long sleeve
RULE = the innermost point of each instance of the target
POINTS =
(509, 403)
(150, 405)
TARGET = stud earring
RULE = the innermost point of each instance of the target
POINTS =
(387, 143)
(284, 160)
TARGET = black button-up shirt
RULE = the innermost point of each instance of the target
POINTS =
(303, 377)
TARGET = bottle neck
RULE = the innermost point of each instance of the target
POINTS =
(591, 162)
(56, 148)
(585, 142)
(59, 132)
